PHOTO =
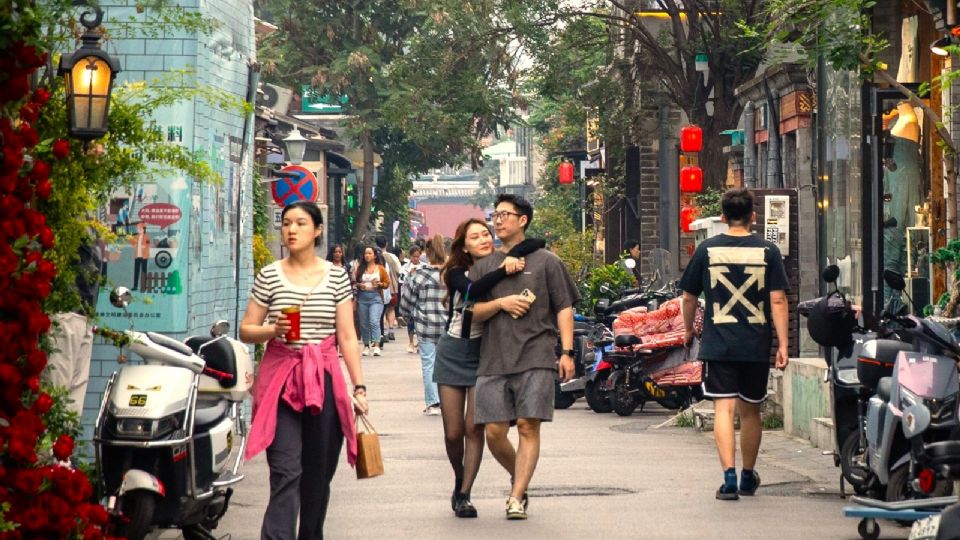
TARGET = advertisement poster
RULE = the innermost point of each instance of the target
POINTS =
(148, 252)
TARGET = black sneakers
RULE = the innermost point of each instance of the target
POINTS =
(749, 484)
(727, 494)
(463, 508)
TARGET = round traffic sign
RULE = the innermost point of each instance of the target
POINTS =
(303, 186)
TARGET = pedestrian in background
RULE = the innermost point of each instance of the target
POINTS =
(518, 361)
(458, 352)
(631, 250)
(392, 264)
(744, 283)
(371, 279)
(302, 409)
(407, 270)
(423, 302)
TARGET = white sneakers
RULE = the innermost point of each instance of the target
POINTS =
(366, 351)
(376, 350)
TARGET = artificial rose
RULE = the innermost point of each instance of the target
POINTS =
(40, 170)
(43, 404)
(30, 112)
(97, 514)
(29, 135)
(44, 188)
(12, 156)
(61, 148)
(63, 447)
(27, 55)
(77, 487)
(9, 375)
(46, 238)
(33, 383)
(36, 360)
(29, 422)
(41, 95)
(27, 481)
(34, 519)
(34, 220)
(92, 532)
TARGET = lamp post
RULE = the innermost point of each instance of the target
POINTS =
(296, 146)
(89, 74)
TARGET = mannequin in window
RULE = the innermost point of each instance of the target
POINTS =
(902, 181)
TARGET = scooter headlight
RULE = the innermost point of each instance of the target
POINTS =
(908, 398)
(137, 428)
(146, 428)
(942, 410)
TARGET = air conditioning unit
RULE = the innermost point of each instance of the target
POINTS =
(275, 97)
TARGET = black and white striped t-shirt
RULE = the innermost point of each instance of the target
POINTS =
(272, 290)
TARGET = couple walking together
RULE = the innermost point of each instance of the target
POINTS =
(495, 360)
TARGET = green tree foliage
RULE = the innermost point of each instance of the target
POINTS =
(433, 74)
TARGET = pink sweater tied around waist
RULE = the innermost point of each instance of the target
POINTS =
(297, 377)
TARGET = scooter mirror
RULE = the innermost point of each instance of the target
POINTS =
(830, 273)
(916, 420)
(630, 263)
(121, 297)
(219, 328)
(894, 280)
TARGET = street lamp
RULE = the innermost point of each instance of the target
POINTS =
(296, 146)
(89, 74)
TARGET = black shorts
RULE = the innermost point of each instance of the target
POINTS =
(745, 380)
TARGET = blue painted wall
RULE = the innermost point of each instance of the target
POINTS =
(212, 214)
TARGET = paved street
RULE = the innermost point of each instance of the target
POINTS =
(599, 476)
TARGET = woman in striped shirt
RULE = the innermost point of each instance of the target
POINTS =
(302, 409)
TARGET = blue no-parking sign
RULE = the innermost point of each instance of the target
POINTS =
(302, 187)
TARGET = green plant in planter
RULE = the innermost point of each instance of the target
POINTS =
(949, 259)
(709, 202)
(613, 275)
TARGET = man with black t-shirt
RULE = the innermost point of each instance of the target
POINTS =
(744, 283)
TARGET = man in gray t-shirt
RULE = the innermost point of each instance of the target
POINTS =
(518, 362)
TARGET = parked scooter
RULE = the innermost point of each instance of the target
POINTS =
(926, 375)
(167, 429)
(566, 394)
(833, 325)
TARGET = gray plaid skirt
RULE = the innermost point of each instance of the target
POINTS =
(457, 361)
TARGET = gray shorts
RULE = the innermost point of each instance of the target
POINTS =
(505, 398)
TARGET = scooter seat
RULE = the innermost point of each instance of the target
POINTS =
(218, 354)
(626, 340)
(884, 387)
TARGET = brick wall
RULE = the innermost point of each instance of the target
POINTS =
(215, 212)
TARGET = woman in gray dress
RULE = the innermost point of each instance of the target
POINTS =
(458, 352)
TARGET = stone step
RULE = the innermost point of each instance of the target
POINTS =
(821, 433)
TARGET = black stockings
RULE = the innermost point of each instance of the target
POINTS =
(463, 438)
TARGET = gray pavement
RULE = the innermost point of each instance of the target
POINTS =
(599, 476)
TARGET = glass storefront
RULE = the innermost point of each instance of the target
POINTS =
(840, 194)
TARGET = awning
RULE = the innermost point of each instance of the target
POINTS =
(355, 155)
(338, 160)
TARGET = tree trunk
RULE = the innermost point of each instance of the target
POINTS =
(712, 160)
(366, 199)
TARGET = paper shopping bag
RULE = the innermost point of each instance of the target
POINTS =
(369, 459)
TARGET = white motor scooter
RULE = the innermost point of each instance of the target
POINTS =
(167, 429)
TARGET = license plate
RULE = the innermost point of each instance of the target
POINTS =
(138, 400)
(926, 528)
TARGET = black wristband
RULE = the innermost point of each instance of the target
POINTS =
(568, 352)
(359, 387)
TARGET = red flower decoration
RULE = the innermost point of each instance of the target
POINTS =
(29, 135)
(41, 96)
(30, 112)
(44, 188)
(40, 170)
(33, 383)
(63, 447)
(43, 404)
(61, 148)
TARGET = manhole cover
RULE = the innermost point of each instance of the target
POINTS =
(578, 491)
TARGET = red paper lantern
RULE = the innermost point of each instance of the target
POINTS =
(687, 215)
(691, 139)
(691, 179)
(566, 172)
